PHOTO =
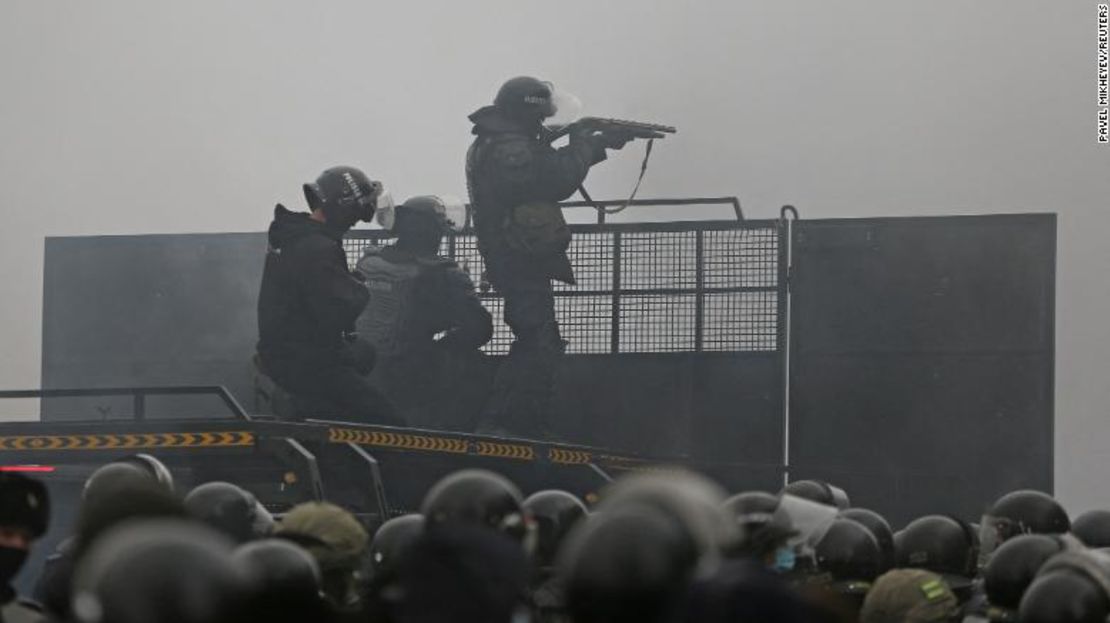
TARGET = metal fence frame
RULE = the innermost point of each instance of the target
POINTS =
(735, 272)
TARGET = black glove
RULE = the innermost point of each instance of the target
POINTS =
(615, 140)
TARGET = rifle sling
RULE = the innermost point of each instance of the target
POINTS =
(636, 189)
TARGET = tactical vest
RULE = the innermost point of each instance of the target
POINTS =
(533, 228)
(384, 321)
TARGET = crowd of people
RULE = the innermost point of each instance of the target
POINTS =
(660, 546)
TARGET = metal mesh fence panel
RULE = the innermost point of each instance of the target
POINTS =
(703, 286)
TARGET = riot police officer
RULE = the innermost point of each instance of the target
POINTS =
(309, 302)
(516, 178)
(24, 515)
(424, 318)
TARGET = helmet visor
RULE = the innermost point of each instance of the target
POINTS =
(379, 204)
(810, 521)
(454, 213)
(566, 108)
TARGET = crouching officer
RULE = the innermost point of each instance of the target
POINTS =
(24, 515)
(309, 301)
(424, 318)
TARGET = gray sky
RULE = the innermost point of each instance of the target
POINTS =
(132, 116)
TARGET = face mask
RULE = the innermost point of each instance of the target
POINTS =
(11, 561)
(784, 560)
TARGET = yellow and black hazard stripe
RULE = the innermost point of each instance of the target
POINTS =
(569, 457)
(404, 441)
(228, 439)
(505, 450)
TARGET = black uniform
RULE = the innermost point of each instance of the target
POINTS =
(509, 165)
(413, 299)
(306, 312)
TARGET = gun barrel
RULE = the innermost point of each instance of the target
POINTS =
(602, 124)
(628, 124)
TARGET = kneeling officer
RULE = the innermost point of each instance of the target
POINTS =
(424, 317)
(309, 301)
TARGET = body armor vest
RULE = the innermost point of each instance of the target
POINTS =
(384, 321)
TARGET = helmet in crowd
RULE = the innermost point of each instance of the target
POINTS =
(424, 215)
(461, 571)
(691, 499)
(1070, 587)
(909, 596)
(554, 513)
(170, 571)
(940, 544)
(477, 496)
(1093, 528)
(331, 534)
(879, 527)
(154, 467)
(346, 195)
(763, 529)
(285, 581)
(526, 98)
(1015, 564)
(849, 552)
(1021, 512)
(113, 501)
(390, 542)
(336, 540)
(109, 479)
(599, 558)
(818, 491)
(231, 510)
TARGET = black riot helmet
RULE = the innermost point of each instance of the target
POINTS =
(763, 529)
(1021, 512)
(818, 491)
(629, 564)
(421, 222)
(849, 552)
(879, 527)
(285, 581)
(477, 496)
(941, 544)
(156, 468)
(1072, 587)
(345, 195)
(231, 510)
(690, 498)
(1093, 528)
(1015, 564)
(167, 570)
(109, 479)
(555, 513)
(390, 542)
(526, 99)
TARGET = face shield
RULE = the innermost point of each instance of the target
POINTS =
(377, 201)
(454, 213)
(448, 209)
(809, 520)
(566, 108)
